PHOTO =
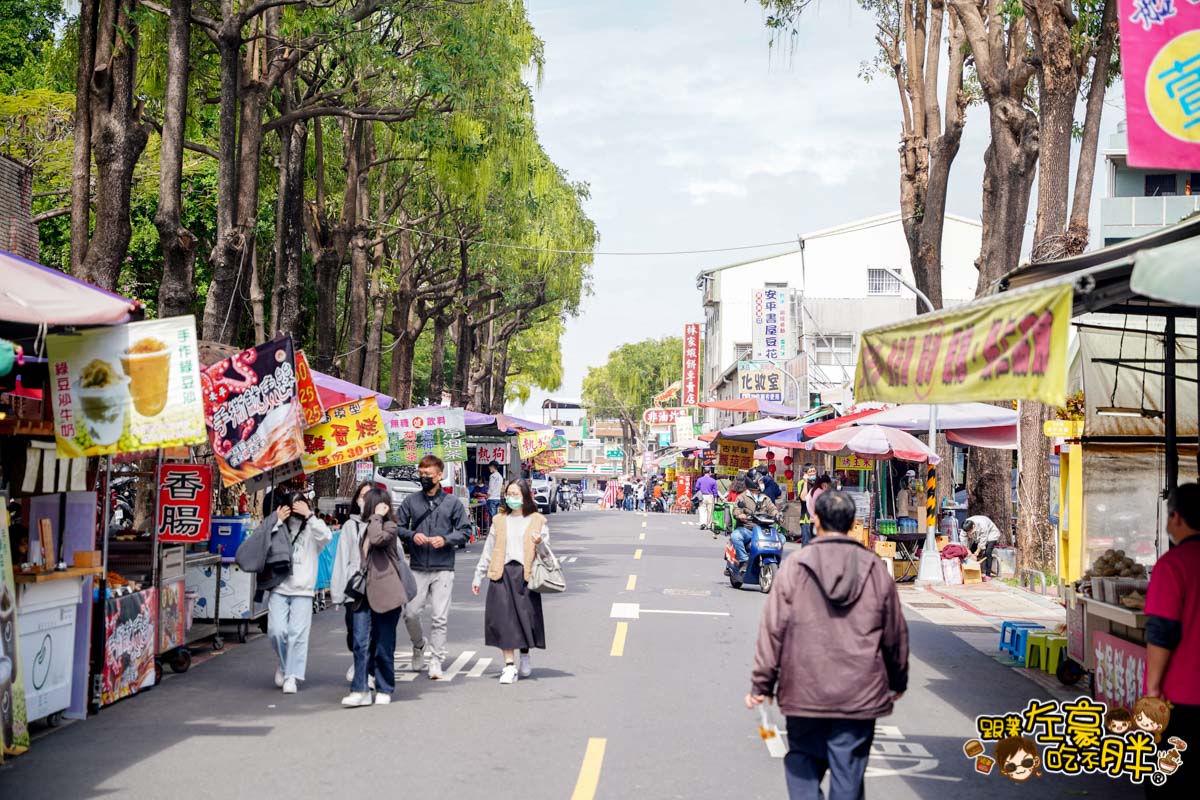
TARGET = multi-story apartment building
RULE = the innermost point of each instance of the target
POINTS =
(1140, 201)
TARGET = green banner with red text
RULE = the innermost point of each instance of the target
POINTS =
(1011, 347)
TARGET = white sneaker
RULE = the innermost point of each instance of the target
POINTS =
(383, 699)
(289, 686)
(371, 682)
(350, 674)
(418, 658)
(524, 666)
(435, 670)
(279, 677)
(356, 699)
(509, 674)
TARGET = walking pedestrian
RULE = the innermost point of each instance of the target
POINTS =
(495, 489)
(1173, 633)
(347, 560)
(433, 525)
(838, 593)
(819, 487)
(512, 617)
(984, 536)
(376, 616)
(807, 486)
(290, 606)
(706, 487)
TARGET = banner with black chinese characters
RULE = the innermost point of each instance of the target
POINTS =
(126, 388)
(1077, 737)
(1009, 347)
(184, 502)
(734, 457)
(416, 433)
(349, 432)
(130, 644)
(253, 414)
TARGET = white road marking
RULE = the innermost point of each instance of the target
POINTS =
(643, 524)
(570, 560)
(458, 664)
(690, 613)
(624, 611)
(480, 666)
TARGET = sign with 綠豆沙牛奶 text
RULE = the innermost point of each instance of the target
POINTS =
(1009, 347)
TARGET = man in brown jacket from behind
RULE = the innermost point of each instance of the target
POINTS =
(833, 651)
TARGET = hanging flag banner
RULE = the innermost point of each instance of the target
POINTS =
(734, 457)
(253, 415)
(126, 388)
(306, 391)
(530, 443)
(548, 460)
(416, 433)
(691, 365)
(1160, 65)
(1009, 347)
(184, 502)
(348, 432)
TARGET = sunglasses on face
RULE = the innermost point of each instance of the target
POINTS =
(1010, 766)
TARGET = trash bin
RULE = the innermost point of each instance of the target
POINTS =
(46, 627)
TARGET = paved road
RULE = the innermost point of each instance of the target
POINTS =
(661, 720)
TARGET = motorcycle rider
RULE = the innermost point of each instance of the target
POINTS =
(751, 503)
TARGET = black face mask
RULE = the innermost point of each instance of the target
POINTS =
(427, 483)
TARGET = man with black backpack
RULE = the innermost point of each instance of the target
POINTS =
(432, 525)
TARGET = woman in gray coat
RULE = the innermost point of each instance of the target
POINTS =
(348, 560)
(375, 618)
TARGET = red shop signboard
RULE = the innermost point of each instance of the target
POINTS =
(184, 502)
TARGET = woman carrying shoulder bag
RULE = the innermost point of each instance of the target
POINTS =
(290, 607)
(347, 561)
(375, 617)
(513, 614)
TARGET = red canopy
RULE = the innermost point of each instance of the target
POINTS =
(752, 405)
(818, 428)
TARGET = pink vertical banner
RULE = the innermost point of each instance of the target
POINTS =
(1160, 62)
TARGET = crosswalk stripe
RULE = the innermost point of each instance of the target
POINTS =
(458, 664)
(480, 666)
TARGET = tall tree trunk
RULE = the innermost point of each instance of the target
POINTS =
(176, 292)
(118, 137)
(1085, 172)
(289, 227)
(989, 487)
(372, 361)
(462, 361)
(257, 296)
(81, 158)
(437, 370)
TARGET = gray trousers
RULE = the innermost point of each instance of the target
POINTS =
(433, 589)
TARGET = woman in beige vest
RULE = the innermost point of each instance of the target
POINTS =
(513, 615)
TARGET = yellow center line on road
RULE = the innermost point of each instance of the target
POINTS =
(618, 644)
(637, 553)
(589, 770)
(631, 583)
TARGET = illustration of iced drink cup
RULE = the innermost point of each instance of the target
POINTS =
(148, 364)
(104, 395)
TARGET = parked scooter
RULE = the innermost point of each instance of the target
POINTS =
(765, 551)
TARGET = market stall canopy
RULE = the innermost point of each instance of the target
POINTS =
(1168, 273)
(874, 442)
(1003, 437)
(820, 428)
(915, 416)
(514, 424)
(335, 391)
(752, 405)
(790, 439)
(691, 444)
(755, 430)
(37, 295)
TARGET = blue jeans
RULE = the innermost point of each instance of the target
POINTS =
(806, 533)
(839, 746)
(383, 652)
(289, 619)
(741, 538)
(358, 624)
(493, 507)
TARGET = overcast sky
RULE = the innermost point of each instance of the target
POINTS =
(693, 134)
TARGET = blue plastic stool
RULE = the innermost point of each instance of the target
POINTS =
(1008, 635)
(1021, 640)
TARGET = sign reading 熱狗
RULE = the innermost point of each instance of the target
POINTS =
(1013, 347)
(1160, 65)
(184, 502)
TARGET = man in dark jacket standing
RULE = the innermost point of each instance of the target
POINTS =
(837, 593)
(433, 525)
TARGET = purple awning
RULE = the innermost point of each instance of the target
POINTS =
(471, 419)
(336, 388)
(513, 424)
(37, 295)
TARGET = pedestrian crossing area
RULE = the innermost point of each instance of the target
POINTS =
(465, 665)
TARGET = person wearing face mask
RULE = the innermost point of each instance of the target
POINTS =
(750, 504)
(348, 560)
(512, 617)
(433, 525)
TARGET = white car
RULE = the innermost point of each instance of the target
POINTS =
(544, 494)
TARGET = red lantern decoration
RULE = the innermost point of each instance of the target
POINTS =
(789, 474)
(787, 461)
(770, 455)
(771, 467)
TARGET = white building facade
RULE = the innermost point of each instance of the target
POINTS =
(841, 282)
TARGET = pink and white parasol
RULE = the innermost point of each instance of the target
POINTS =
(872, 441)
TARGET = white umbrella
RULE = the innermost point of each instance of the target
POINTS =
(915, 416)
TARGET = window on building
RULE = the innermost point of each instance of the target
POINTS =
(833, 350)
(1193, 184)
(883, 281)
(1160, 185)
(741, 351)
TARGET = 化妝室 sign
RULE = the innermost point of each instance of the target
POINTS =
(530, 443)
(760, 379)
(349, 432)
(253, 415)
(184, 502)
(126, 388)
(1010, 347)
(734, 457)
(416, 433)
(1160, 66)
